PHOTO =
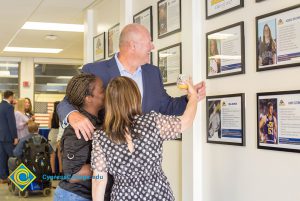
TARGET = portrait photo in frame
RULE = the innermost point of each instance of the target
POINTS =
(168, 17)
(169, 63)
(99, 47)
(144, 18)
(225, 49)
(278, 39)
(113, 39)
(225, 119)
(215, 8)
(278, 115)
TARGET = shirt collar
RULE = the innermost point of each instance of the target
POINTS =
(6, 101)
(121, 67)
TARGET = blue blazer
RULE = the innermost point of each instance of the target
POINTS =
(8, 128)
(154, 95)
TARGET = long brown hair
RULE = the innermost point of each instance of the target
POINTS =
(123, 102)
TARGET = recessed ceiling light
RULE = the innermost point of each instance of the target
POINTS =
(29, 49)
(53, 26)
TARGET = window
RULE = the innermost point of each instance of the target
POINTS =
(9, 79)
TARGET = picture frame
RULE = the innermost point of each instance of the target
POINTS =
(169, 63)
(113, 39)
(145, 18)
(225, 119)
(278, 115)
(225, 51)
(99, 47)
(168, 17)
(277, 39)
(216, 8)
(259, 0)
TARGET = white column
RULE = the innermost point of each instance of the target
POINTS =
(125, 12)
(26, 74)
(192, 55)
(88, 36)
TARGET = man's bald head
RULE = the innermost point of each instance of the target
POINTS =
(131, 32)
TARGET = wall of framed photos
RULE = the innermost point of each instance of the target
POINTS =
(203, 171)
(248, 172)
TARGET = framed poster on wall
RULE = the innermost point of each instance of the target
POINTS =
(144, 18)
(278, 39)
(99, 47)
(113, 39)
(225, 119)
(225, 49)
(169, 63)
(278, 121)
(218, 7)
(169, 17)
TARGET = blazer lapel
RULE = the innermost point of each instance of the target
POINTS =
(145, 83)
(113, 68)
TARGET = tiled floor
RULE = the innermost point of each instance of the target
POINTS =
(6, 195)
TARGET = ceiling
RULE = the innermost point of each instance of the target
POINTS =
(14, 14)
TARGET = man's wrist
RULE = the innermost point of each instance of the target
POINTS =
(65, 122)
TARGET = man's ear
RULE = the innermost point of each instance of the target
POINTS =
(88, 99)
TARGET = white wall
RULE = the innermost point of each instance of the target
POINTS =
(233, 173)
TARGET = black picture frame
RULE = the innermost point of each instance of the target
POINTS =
(110, 38)
(259, 0)
(100, 38)
(240, 5)
(144, 11)
(264, 64)
(162, 18)
(230, 136)
(281, 103)
(165, 71)
(232, 69)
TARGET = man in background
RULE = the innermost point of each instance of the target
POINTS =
(8, 133)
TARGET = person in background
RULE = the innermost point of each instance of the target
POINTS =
(85, 92)
(8, 133)
(28, 109)
(52, 137)
(129, 145)
(33, 129)
(21, 118)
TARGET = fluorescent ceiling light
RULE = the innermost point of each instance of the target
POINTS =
(57, 84)
(7, 65)
(64, 77)
(29, 49)
(53, 26)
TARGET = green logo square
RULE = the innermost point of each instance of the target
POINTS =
(22, 177)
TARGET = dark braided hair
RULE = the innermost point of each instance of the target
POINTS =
(79, 87)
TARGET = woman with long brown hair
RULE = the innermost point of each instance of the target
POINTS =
(129, 145)
(267, 49)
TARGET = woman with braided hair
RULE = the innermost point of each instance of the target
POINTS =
(85, 92)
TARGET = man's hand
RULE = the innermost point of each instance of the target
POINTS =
(81, 124)
(16, 140)
(201, 90)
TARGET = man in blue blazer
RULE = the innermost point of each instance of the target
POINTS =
(8, 133)
(132, 61)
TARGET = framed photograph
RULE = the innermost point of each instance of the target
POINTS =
(278, 39)
(225, 119)
(278, 121)
(169, 17)
(113, 39)
(144, 18)
(169, 63)
(99, 47)
(215, 8)
(225, 49)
